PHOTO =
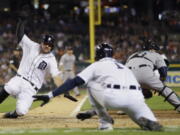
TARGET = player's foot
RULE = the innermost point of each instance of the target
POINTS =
(77, 95)
(121, 113)
(105, 126)
(11, 115)
(178, 109)
(147, 124)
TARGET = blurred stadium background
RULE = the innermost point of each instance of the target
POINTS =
(124, 23)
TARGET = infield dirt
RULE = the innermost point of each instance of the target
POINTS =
(59, 113)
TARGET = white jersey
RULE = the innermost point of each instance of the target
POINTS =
(112, 85)
(108, 71)
(34, 65)
(67, 61)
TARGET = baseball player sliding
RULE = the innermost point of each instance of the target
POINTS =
(37, 60)
(110, 84)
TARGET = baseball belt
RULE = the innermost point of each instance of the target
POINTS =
(68, 70)
(28, 81)
(140, 66)
(116, 86)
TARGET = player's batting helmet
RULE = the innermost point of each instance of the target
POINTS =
(48, 39)
(149, 44)
(103, 50)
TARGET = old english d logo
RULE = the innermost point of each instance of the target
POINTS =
(42, 65)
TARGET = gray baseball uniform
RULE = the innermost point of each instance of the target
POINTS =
(143, 65)
(68, 62)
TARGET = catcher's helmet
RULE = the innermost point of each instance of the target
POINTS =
(103, 50)
(149, 44)
(48, 39)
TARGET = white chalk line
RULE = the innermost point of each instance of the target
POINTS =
(77, 109)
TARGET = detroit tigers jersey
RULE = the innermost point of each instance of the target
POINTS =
(108, 71)
(34, 65)
(150, 58)
(67, 61)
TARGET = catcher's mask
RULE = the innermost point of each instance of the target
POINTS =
(49, 40)
(149, 44)
(103, 50)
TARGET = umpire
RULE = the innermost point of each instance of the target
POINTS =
(144, 63)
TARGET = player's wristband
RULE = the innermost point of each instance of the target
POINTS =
(50, 95)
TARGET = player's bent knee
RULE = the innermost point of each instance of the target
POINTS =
(147, 124)
(21, 112)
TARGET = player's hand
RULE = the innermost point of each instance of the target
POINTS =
(44, 98)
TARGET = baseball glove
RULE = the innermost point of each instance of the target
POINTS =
(44, 98)
(147, 93)
(83, 115)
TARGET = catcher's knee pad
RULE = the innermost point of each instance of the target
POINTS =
(147, 124)
(3, 95)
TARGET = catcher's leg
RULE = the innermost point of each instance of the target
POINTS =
(171, 97)
(3, 95)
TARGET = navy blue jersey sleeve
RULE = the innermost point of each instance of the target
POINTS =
(68, 85)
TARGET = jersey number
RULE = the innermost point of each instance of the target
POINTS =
(42, 65)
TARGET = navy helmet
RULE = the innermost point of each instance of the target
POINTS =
(149, 44)
(49, 40)
(104, 50)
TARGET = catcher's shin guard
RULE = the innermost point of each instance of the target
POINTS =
(147, 124)
(171, 97)
(3, 95)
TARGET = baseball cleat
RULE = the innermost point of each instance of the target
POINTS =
(106, 127)
(11, 115)
(147, 124)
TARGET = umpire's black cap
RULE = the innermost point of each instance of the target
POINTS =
(48, 39)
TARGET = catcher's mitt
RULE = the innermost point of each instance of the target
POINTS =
(147, 93)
